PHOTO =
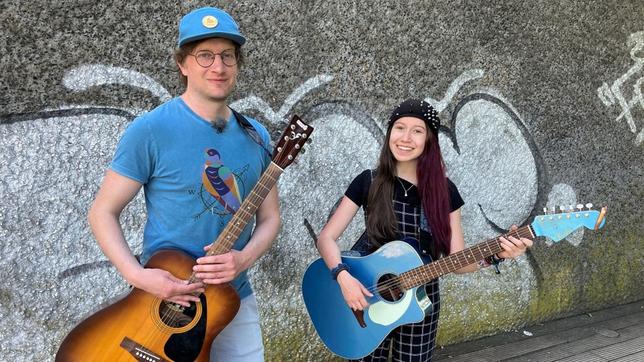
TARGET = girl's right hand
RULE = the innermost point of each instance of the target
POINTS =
(353, 291)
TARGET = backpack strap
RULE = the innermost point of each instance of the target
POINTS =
(365, 208)
(362, 245)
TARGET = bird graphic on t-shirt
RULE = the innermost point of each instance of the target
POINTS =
(220, 182)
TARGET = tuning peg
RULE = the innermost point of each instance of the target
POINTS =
(562, 208)
(309, 140)
(580, 207)
(545, 211)
(589, 206)
(303, 150)
(571, 208)
(553, 210)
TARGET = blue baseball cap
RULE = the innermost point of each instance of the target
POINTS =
(208, 23)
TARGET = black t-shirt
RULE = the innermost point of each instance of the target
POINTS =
(407, 208)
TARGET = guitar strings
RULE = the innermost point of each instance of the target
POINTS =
(395, 282)
(254, 198)
(416, 273)
(169, 316)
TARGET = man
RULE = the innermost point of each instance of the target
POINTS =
(196, 161)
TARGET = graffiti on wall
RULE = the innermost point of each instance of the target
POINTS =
(54, 160)
(617, 92)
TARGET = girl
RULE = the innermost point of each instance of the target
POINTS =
(407, 196)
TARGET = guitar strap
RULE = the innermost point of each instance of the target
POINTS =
(250, 131)
(363, 245)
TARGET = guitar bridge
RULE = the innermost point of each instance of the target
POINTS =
(139, 352)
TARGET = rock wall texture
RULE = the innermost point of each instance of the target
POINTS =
(541, 104)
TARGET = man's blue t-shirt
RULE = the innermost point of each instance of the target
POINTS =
(194, 178)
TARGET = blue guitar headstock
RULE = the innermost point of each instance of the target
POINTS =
(557, 226)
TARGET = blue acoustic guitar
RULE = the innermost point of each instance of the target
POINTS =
(394, 273)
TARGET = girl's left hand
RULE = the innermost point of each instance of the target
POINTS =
(512, 246)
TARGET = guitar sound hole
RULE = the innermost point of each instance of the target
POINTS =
(175, 315)
(389, 288)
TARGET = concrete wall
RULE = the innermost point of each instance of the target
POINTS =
(542, 103)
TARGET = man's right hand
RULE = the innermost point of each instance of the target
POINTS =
(166, 286)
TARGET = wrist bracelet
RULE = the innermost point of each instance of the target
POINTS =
(340, 267)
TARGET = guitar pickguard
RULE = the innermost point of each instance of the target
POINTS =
(385, 313)
(186, 346)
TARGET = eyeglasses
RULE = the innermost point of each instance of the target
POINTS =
(205, 58)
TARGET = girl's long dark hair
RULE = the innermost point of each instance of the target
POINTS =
(381, 221)
(433, 191)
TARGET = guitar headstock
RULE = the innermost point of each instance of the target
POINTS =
(291, 142)
(557, 226)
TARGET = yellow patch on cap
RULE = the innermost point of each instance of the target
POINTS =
(209, 21)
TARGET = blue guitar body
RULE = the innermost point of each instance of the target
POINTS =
(338, 327)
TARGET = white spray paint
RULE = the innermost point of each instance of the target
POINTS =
(277, 118)
(453, 88)
(94, 75)
(342, 147)
(609, 95)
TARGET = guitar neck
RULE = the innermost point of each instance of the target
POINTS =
(424, 274)
(246, 211)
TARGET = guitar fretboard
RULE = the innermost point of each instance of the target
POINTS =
(245, 213)
(424, 274)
